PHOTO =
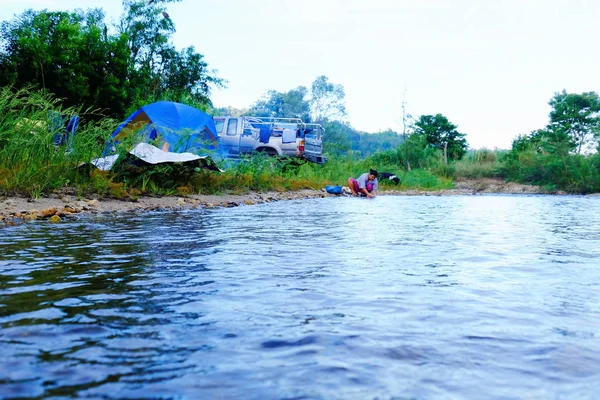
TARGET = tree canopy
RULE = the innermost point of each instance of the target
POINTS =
(576, 115)
(80, 59)
(441, 134)
(290, 104)
(324, 102)
(328, 100)
(574, 126)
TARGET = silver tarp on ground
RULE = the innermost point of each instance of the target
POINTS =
(153, 155)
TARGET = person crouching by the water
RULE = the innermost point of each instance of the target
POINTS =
(366, 184)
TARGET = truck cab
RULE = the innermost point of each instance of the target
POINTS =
(289, 137)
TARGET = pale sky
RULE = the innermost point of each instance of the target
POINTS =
(489, 66)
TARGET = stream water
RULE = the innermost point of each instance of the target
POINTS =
(493, 296)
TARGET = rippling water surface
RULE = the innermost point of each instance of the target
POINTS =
(337, 298)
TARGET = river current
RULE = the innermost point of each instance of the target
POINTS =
(397, 297)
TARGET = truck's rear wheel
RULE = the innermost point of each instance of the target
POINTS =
(267, 150)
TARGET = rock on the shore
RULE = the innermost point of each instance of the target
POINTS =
(48, 212)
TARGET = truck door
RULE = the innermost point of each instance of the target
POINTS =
(248, 137)
(227, 128)
(313, 150)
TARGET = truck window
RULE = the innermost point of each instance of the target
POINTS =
(232, 126)
(219, 125)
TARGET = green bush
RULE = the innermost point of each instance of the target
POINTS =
(574, 173)
(423, 180)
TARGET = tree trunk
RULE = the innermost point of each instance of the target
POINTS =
(446, 153)
(404, 131)
(42, 73)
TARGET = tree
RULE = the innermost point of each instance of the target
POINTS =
(290, 104)
(576, 115)
(229, 111)
(327, 100)
(371, 143)
(295, 103)
(338, 137)
(157, 70)
(68, 54)
(405, 118)
(76, 58)
(544, 141)
(325, 103)
(442, 134)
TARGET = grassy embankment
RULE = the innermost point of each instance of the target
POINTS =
(31, 165)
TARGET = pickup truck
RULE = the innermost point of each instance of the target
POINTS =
(275, 136)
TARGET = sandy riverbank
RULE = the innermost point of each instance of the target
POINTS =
(57, 207)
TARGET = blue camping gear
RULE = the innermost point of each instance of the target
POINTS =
(265, 135)
(333, 189)
(183, 128)
(63, 134)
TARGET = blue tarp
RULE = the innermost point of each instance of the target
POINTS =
(63, 134)
(265, 135)
(183, 128)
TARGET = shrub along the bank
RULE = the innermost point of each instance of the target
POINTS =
(574, 173)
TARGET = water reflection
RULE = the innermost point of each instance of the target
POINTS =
(328, 298)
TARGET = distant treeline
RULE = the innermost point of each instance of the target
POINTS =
(564, 155)
(324, 103)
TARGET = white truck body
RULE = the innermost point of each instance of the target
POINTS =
(275, 136)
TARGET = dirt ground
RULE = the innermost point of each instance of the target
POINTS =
(55, 208)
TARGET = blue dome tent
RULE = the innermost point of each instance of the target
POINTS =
(181, 127)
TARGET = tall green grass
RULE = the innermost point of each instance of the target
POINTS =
(429, 171)
(478, 164)
(30, 164)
